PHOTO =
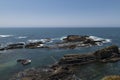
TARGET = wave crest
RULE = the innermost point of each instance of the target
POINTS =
(95, 38)
(4, 36)
(22, 37)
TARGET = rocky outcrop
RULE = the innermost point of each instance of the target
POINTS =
(2, 49)
(44, 74)
(81, 41)
(15, 46)
(70, 42)
(34, 45)
(73, 59)
(107, 54)
(64, 69)
(77, 38)
(74, 38)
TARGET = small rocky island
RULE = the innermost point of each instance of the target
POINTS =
(69, 42)
(64, 69)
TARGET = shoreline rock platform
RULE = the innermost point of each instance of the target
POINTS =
(64, 69)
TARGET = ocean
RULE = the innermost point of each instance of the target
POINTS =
(42, 57)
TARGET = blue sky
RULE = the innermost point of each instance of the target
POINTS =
(59, 13)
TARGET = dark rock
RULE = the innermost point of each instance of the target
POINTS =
(107, 52)
(69, 46)
(33, 45)
(15, 46)
(73, 59)
(59, 76)
(24, 61)
(89, 41)
(74, 38)
(2, 49)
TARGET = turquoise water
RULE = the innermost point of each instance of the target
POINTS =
(42, 57)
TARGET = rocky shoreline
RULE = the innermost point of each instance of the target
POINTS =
(70, 42)
(64, 69)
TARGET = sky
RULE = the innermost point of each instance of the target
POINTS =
(59, 13)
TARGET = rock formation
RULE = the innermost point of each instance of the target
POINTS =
(70, 42)
(33, 45)
(64, 69)
(75, 38)
(107, 54)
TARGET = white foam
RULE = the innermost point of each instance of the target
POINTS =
(45, 40)
(107, 41)
(34, 40)
(55, 38)
(63, 37)
(4, 36)
(95, 38)
(42, 40)
(21, 37)
(41, 45)
(22, 42)
(100, 39)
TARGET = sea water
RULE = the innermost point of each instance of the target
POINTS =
(42, 57)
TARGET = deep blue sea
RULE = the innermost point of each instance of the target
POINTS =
(42, 57)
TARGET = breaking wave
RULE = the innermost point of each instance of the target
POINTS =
(60, 38)
(4, 36)
(22, 37)
(95, 38)
(63, 37)
(42, 40)
(33, 40)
